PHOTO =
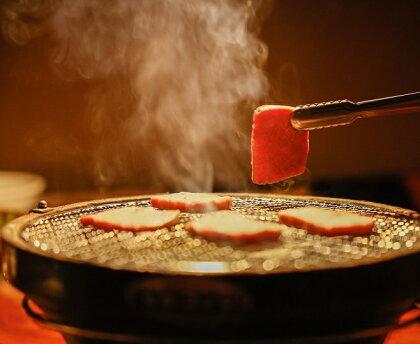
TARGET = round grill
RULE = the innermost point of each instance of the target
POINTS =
(173, 250)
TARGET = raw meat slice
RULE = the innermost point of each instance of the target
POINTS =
(191, 202)
(327, 222)
(278, 150)
(226, 224)
(131, 219)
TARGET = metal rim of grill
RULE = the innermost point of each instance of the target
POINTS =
(58, 234)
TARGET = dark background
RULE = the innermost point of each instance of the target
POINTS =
(318, 51)
(327, 50)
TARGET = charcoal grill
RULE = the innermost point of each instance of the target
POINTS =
(169, 286)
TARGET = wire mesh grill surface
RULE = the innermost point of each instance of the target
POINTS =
(174, 250)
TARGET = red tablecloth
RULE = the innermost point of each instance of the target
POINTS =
(17, 328)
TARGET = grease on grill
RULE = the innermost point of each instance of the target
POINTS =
(175, 250)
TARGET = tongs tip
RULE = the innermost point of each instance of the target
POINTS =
(343, 112)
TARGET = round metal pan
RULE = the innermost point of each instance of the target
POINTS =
(171, 286)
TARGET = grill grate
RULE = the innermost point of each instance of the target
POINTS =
(173, 250)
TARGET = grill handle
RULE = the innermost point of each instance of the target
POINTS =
(342, 112)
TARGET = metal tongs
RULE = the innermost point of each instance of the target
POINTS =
(342, 112)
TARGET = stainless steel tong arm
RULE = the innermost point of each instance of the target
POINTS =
(342, 112)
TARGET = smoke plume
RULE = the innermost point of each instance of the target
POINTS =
(176, 83)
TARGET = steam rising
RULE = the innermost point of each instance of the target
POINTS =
(175, 83)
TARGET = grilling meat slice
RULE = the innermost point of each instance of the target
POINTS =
(227, 224)
(131, 219)
(191, 202)
(278, 150)
(327, 222)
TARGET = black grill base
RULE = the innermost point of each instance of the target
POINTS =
(81, 340)
(276, 306)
